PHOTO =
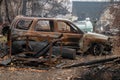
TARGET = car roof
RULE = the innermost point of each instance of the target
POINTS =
(40, 18)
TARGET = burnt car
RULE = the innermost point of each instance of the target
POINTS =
(39, 30)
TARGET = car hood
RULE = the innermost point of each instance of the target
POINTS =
(96, 36)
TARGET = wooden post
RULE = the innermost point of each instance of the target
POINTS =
(9, 42)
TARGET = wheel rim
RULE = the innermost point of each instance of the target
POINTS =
(97, 49)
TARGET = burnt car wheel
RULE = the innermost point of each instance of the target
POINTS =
(97, 49)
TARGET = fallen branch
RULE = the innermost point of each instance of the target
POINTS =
(93, 62)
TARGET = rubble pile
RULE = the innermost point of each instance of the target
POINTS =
(109, 22)
(111, 14)
(115, 11)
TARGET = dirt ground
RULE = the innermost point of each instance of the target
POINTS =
(108, 71)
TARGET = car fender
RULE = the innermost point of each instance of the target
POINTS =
(89, 38)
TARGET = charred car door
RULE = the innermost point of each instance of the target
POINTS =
(71, 34)
(44, 30)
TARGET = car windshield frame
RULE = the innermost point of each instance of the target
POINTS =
(72, 25)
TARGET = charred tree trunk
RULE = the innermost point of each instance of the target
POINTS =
(0, 2)
(0, 11)
(7, 11)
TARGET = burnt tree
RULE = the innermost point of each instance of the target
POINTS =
(42, 8)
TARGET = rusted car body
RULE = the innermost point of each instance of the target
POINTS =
(40, 29)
